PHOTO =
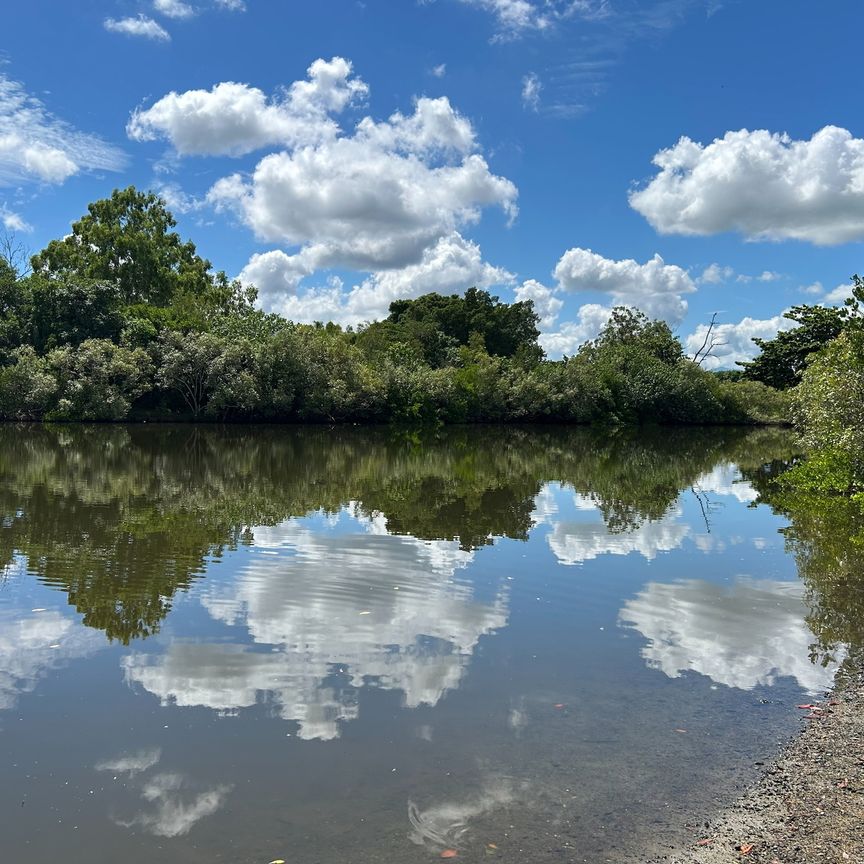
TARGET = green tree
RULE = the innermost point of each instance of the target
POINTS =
(507, 329)
(28, 387)
(783, 359)
(12, 323)
(188, 364)
(336, 382)
(98, 380)
(69, 311)
(629, 330)
(829, 412)
(128, 240)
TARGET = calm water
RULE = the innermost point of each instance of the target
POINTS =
(355, 646)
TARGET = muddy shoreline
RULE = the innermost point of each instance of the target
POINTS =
(808, 805)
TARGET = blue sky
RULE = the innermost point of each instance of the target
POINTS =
(341, 154)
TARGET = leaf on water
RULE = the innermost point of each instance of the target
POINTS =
(449, 853)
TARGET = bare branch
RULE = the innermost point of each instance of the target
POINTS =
(709, 343)
(14, 252)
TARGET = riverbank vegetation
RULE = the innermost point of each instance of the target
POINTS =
(123, 320)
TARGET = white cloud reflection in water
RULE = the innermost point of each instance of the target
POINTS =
(585, 536)
(173, 802)
(725, 479)
(745, 635)
(35, 643)
(339, 596)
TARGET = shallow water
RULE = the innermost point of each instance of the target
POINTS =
(355, 645)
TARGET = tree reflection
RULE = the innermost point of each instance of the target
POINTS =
(826, 536)
(123, 518)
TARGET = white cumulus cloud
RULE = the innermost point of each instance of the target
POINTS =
(590, 319)
(388, 197)
(654, 287)
(546, 304)
(516, 17)
(451, 265)
(361, 203)
(231, 119)
(763, 185)
(13, 221)
(141, 26)
(837, 296)
(715, 274)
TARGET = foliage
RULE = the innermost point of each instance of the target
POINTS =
(783, 359)
(335, 383)
(98, 380)
(829, 411)
(28, 388)
(127, 239)
(435, 322)
(125, 311)
(754, 401)
(66, 312)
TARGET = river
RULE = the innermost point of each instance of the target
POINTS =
(356, 645)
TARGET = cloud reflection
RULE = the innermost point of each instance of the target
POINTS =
(131, 763)
(34, 644)
(584, 536)
(577, 542)
(745, 635)
(174, 802)
(725, 479)
(176, 805)
(344, 600)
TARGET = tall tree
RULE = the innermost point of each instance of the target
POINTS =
(128, 239)
(783, 359)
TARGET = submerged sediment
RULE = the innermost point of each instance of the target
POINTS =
(808, 806)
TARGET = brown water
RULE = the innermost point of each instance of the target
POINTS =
(348, 645)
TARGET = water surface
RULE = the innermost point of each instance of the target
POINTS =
(354, 645)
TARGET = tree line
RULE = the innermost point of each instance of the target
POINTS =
(122, 319)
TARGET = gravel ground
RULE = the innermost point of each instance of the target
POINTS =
(808, 807)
